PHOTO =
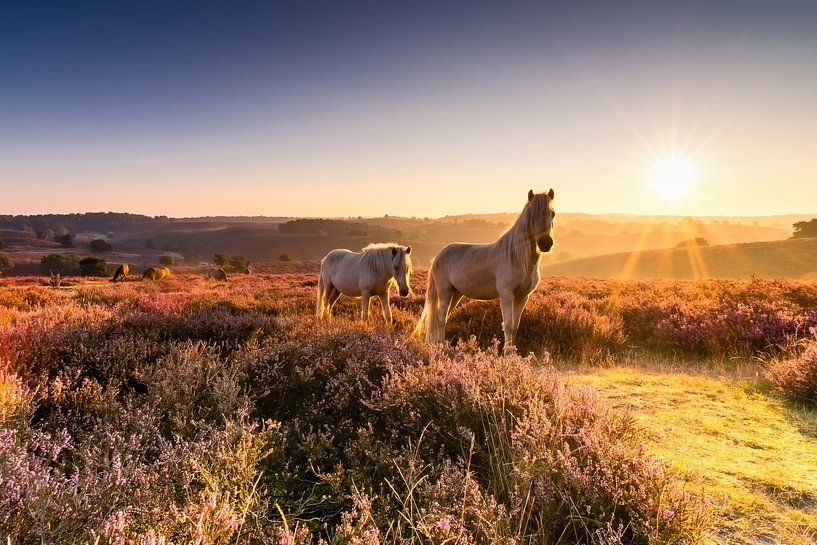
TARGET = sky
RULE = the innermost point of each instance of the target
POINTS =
(413, 109)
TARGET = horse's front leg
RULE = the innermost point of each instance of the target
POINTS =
(506, 303)
(384, 302)
(364, 305)
(518, 306)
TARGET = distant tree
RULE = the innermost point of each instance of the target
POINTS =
(65, 240)
(697, 241)
(167, 260)
(805, 229)
(284, 257)
(100, 246)
(221, 260)
(64, 264)
(239, 263)
(5, 263)
(93, 266)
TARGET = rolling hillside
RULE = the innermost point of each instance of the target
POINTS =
(793, 258)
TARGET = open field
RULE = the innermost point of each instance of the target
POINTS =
(793, 258)
(195, 411)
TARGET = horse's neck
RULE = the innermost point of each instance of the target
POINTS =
(382, 275)
(522, 245)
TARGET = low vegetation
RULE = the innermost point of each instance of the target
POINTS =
(193, 411)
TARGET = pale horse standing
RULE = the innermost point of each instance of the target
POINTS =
(367, 274)
(507, 270)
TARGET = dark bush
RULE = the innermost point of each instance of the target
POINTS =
(66, 240)
(167, 260)
(239, 263)
(64, 264)
(100, 245)
(5, 262)
(93, 266)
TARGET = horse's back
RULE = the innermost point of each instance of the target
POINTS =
(467, 268)
(337, 258)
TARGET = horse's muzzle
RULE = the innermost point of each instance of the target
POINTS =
(404, 292)
(545, 244)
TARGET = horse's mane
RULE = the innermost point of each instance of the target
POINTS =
(379, 256)
(516, 242)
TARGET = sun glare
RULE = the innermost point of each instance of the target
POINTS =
(672, 176)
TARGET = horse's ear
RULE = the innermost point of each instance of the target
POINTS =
(530, 195)
(393, 251)
(408, 250)
(551, 194)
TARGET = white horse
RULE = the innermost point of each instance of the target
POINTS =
(507, 270)
(369, 273)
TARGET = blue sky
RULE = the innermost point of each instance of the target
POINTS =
(334, 109)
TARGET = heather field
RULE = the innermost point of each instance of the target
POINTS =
(193, 411)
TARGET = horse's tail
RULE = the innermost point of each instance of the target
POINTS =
(426, 319)
(321, 289)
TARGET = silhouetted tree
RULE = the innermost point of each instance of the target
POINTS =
(93, 266)
(5, 262)
(805, 229)
(284, 257)
(697, 241)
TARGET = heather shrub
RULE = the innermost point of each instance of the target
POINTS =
(564, 324)
(794, 374)
(546, 461)
(456, 444)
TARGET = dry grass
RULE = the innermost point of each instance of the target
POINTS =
(751, 451)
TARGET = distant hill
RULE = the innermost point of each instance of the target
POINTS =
(142, 239)
(792, 258)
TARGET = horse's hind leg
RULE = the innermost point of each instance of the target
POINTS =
(384, 303)
(446, 298)
(332, 297)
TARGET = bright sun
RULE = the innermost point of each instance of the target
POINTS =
(672, 176)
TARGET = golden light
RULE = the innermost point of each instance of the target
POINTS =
(672, 176)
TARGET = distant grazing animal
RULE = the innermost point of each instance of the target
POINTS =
(367, 274)
(217, 274)
(156, 273)
(121, 274)
(507, 270)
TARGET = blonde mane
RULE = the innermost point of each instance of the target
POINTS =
(518, 242)
(378, 256)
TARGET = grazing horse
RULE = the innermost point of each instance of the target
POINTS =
(156, 273)
(507, 270)
(121, 274)
(369, 273)
(217, 274)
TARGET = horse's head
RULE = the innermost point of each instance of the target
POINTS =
(401, 263)
(541, 214)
